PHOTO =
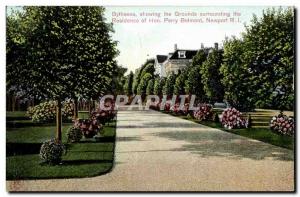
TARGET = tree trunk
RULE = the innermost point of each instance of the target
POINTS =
(75, 109)
(58, 120)
(13, 103)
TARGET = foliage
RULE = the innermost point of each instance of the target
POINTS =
(74, 134)
(88, 127)
(68, 51)
(128, 84)
(158, 86)
(60, 52)
(118, 81)
(205, 112)
(176, 109)
(51, 151)
(211, 77)
(150, 87)
(232, 118)
(199, 58)
(141, 90)
(236, 76)
(168, 88)
(283, 124)
(193, 84)
(102, 116)
(46, 111)
(269, 56)
(147, 67)
(180, 82)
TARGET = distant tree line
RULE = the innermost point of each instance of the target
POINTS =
(254, 71)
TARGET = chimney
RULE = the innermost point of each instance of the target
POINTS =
(175, 47)
(216, 45)
(202, 46)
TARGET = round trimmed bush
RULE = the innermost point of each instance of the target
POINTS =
(282, 124)
(74, 134)
(232, 118)
(204, 112)
(51, 151)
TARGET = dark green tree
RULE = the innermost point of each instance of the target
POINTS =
(211, 76)
(269, 56)
(158, 86)
(141, 90)
(180, 83)
(150, 86)
(168, 88)
(66, 52)
(193, 84)
(236, 76)
(118, 81)
(128, 84)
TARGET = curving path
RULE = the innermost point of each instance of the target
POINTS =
(158, 152)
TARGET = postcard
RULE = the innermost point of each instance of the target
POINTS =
(150, 99)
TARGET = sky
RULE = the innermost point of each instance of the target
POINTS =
(140, 41)
(137, 42)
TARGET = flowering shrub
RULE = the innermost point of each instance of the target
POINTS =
(51, 151)
(46, 111)
(103, 116)
(204, 112)
(176, 109)
(74, 134)
(43, 112)
(232, 118)
(282, 124)
(88, 127)
(67, 109)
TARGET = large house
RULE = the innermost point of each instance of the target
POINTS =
(179, 59)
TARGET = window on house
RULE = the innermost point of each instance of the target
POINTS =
(181, 54)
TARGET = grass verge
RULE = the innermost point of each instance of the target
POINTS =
(84, 159)
(261, 134)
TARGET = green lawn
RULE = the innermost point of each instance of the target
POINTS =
(261, 134)
(84, 159)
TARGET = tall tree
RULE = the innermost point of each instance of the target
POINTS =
(141, 90)
(168, 88)
(158, 86)
(128, 84)
(236, 76)
(269, 56)
(193, 84)
(150, 86)
(211, 77)
(67, 52)
(118, 81)
(180, 82)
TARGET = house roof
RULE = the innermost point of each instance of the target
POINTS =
(161, 58)
(189, 54)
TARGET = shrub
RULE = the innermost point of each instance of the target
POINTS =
(74, 134)
(67, 109)
(89, 127)
(232, 118)
(51, 151)
(176, 109)
(283, 124)
(102, 116)
(204, 112)
(46, 112)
